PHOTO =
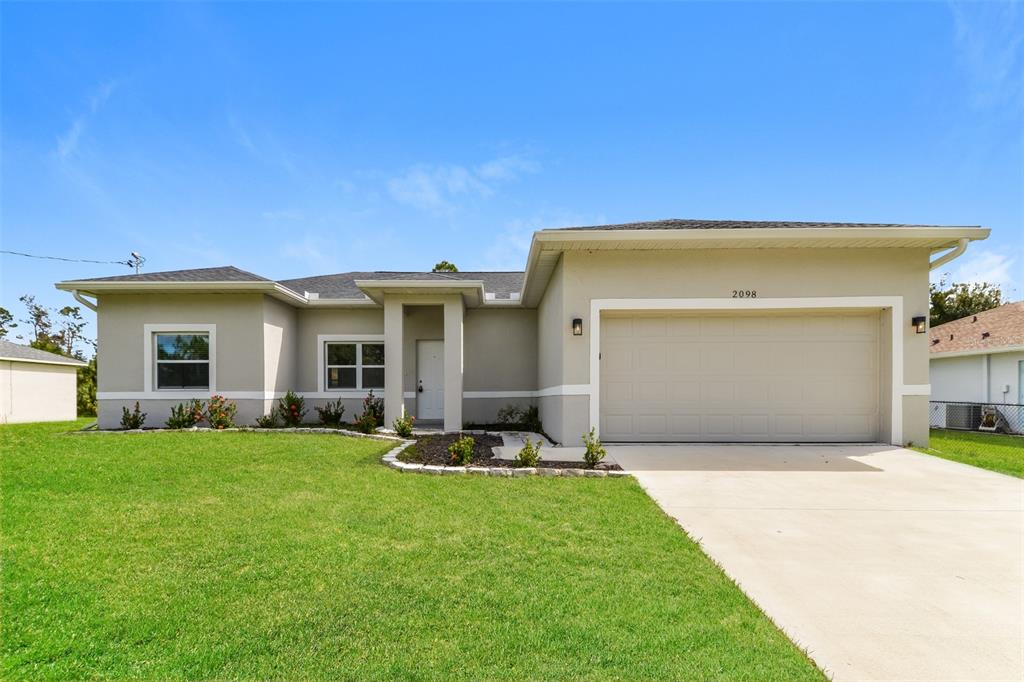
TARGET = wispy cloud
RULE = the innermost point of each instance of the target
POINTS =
(311, 250)
(67, 144)
(438, 188)
(988, 37)
(984, 265)
(263, 145)
(510, 248)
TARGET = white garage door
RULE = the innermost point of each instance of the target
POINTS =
(737, 377)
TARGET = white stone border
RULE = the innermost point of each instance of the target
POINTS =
(391, 460)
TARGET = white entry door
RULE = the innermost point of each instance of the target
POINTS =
(430, 379)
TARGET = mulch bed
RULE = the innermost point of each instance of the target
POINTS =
(434, 450)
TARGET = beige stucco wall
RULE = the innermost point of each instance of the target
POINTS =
(328, 321)
(773, 273)
(500, 350)
(35, 392)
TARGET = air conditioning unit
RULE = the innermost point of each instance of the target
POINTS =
(960, 416)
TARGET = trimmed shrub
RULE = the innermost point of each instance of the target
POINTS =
(186, 415)
(220, 412)
(403, 425)
(292, 409)
(595, 450)
(134, 419)
(529, 455)
(267, 421)
(375, 406)
(366, 422)
(331, 413)
(461, 451)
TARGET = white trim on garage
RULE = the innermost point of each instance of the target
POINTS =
(893, 303)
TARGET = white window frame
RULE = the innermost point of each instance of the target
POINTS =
(149, 359)
(358, 340)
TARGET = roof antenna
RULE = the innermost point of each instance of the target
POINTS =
(136, 261)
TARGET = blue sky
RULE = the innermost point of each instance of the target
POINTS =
(306, 139)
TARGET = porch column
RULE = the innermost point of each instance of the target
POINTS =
(453, 363)
(394, 404)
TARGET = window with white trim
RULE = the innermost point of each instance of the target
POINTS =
(353, 365)
(182, 360)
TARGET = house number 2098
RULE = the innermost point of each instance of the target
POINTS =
(744, 293)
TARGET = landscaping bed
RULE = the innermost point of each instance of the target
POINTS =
(433, 449)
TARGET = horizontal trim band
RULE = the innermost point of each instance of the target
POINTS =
(565, 389)
(917, 389)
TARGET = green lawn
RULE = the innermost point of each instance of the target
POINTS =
(996, 452)
(244, 555)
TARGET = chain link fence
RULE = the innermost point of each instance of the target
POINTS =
(981, 417)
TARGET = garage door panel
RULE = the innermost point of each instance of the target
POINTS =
(753, 377)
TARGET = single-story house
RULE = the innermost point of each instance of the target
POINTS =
(978, 359)
(676, 330)
(37, 386)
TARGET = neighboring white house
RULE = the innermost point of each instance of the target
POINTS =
(979, 359)
(36, 386)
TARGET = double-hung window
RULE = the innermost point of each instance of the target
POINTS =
(354, 365)
(182, 360)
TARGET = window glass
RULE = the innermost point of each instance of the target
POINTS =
(341, 354)
(183, 347)
(373, 377)
(373, 354)
(183, 375)
(341, 377)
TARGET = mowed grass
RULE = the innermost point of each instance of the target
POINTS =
(243, 555)
(996, 452)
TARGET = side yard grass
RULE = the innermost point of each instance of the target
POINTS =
(246, 555)
(996, 452)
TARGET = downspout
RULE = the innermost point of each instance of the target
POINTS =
(956, 251)
(84, 301)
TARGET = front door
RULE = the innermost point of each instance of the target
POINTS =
(430, 380)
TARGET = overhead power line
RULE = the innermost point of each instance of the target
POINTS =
(129, 263)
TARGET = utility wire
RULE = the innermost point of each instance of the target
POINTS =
(70, 260)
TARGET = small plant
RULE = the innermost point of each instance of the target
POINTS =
(292, 408)
(595, 451)
(529, 455)
(403, 425)
(186, 415)
(461, 451)
(267, 421)
(366, 422)
(510, 415)
(531, 420)
(331, 413)
(134, 419)
(375, 406)
(220, 412)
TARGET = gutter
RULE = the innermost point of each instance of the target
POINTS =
(91, 305)
(955, 252)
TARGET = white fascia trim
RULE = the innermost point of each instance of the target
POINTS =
(29, 361)
(231, 395)
(946, 234)
(977, 351)
(149, 366)
(321, 360)
(892, 303)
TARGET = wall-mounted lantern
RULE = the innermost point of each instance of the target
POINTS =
(577, 326)
(919, 324)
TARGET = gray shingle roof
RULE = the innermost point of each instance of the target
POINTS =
(676, 224)
(16, 351)
(226, 273)
(342, 285)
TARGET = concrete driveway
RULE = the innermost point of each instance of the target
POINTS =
(883, 563)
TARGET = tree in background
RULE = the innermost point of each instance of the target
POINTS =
(952, 301)
(7, 322)
(445, 266)
(66, 336)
